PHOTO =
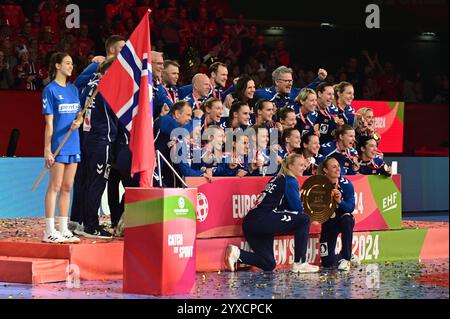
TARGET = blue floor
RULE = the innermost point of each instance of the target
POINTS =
(427, 216)
(389, 280)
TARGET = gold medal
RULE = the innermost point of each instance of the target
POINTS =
(376, 137)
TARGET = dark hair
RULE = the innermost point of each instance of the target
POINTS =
(235, 108)
(342, 130)
(241, 86)
(167, 63)
(112, 40)
(209, 103)
(215, 66)
(56, 58)
(306, 139)
(259, 106)
(362, 142)
(324, 164)
(178, 106)
(322, 85)
(103, 67)
(283, 112)
(287, 133)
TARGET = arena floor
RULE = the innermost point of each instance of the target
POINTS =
(396, 280)
(428, 279)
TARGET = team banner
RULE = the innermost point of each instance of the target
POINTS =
(369, 246)
(223, 203)
(389, 119)
(159, 254)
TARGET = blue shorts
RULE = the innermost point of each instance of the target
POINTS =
(68, 159)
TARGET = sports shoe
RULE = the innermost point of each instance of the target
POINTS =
(69, 237)
(231, 257)
(354, 261)
(53, 237)
(96, 232)
(344, 265)
(304, 268)
(76, 228)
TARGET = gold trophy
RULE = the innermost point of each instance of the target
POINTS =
(315, 194)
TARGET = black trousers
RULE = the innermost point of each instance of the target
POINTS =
(260, 228)
(120, 172)
(344, 225)
(97, 165)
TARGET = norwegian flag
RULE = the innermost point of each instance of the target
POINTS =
(127, 87)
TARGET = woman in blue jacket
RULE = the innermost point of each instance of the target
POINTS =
(341, 222)
(278, 209)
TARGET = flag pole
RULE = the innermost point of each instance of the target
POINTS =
(173, 170)
(159, 168)
(79, 117)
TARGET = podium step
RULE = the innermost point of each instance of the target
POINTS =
(410, 243)
(32, 270)
(95, 260)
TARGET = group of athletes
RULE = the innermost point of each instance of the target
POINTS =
(207, 130)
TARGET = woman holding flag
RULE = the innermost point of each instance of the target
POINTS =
(60, 105)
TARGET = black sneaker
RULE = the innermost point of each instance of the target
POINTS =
(96, 232)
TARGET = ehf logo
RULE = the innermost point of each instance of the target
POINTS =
(181, 210)
(202, 207)
(181, 202)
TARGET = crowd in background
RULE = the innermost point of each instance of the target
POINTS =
(195, 35)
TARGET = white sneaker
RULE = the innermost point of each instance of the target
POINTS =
(231, 257)
(304, 268)
(54, 237)
(355, 261)
(344, 265)
(69, 237)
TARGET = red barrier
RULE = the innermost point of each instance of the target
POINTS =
(22, 110)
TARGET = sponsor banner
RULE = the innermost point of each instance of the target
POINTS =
(159, 243)
(223, 203)
(370, 247)
(389, 119)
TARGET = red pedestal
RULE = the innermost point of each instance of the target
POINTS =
(159, 248)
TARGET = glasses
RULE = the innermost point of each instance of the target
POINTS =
(286, 81)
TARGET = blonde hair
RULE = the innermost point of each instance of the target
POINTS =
(361, 113)
(303, 95)
(289, 160)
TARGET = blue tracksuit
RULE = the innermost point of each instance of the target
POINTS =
(344, 158)
(164, 95)
(326, 122)
(374, 167)
(278, 209)
(195, 103)
(306, 124)
(100, 134)
(348, 114)
(83, 79)
(342, 223)
(163, 129)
